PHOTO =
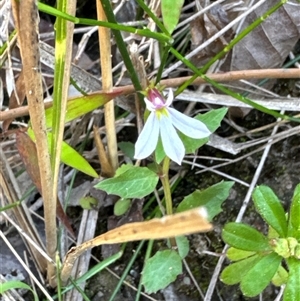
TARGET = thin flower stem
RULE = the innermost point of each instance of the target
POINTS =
(167, 191)
(166, 185)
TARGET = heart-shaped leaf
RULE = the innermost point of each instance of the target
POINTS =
(211, 198)
(135, 182)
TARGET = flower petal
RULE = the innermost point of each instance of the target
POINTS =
(170, 98)
(172, 144)
(149, 105)
(189, 126)
(148, 138)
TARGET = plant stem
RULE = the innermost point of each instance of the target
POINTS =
(166, 185)
(142, 32)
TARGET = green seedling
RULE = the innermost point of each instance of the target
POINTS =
(259, 260)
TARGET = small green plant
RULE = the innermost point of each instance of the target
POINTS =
(259, 259)
(137, 182)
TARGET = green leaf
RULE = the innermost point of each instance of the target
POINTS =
(88, 202)
(294, 216)
(212, 198)
(212, 120)
(183, 246)
(79, 106)
(234, 273)
(123, 168)
(15, 285)
(127, 148)
(260, 275)
(161, 270)
(269, 207)
(171, 10)
(121, 206)
(272, 233)
(291, 292)
(70, 156)
(135, 182)
(236, 254)
(280, 277)
(244, 237)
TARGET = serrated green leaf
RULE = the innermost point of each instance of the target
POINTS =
(269, 207)
(183, 246)
(294, 216)
(15, 285)
(70, 156)
(121, 206)
(234, 254)
(79, 106)
(211, 198)
(135, 182)
(234, 273)
(280, 277)
(244, 237)
(291, 292)
(260, 275)
(161, 270)
(171, 10)
(212, 120)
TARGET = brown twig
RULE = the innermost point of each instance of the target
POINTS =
(26, 16)
(175, 82)
(107, 83)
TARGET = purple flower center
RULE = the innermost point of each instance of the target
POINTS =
(155, 97)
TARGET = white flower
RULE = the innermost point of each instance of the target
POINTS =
(162, 121)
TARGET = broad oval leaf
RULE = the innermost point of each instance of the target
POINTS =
(121, 206)
(135, 182)
(269, 207)
(211, 198)
(161, 270)
(244, 237)
(79, 106)
(234, 273)
(260, 275)
(294, 217)
(171, 10)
